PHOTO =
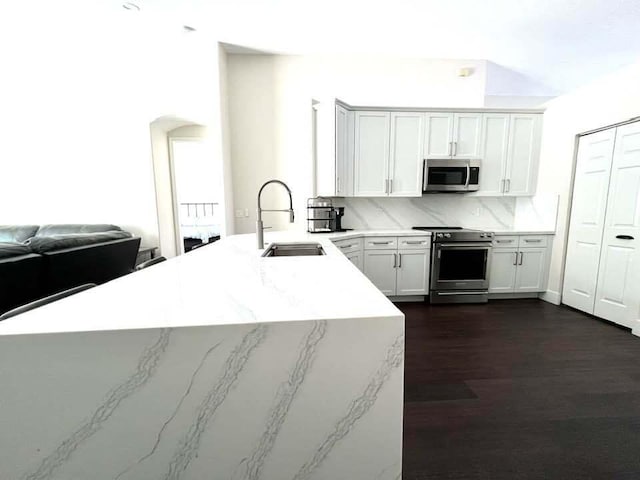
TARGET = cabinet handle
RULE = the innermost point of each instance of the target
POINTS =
(395, 260)
(408, 242)
(347, 246)
(381, 243)
(515, 259)
(399, 260)
(504, 241)
(502, 189)
(521, 257)
(450, 147)
(390, 186)
(455, 148)
(508, 185)
(533, 240)
(624, 237)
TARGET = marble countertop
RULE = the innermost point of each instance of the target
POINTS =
(225, 283)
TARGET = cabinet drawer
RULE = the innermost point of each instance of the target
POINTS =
(533, 241)
(414, 242)
(349, 246)
(505, 241)
(380, 243)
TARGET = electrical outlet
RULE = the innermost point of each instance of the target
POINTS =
(239, 213)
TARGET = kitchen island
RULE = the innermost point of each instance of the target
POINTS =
(218, 364)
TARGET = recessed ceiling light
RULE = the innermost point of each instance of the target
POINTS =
(131, 6)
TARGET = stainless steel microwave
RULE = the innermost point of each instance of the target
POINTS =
(451, 175)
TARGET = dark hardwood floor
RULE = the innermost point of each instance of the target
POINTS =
(519, 389)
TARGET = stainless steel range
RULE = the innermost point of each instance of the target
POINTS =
(460, 265)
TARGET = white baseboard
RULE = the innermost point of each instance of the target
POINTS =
(407, 298)
(551, 297)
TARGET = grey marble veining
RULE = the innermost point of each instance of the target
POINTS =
(430, 210)
(487, 213)
(277, 401)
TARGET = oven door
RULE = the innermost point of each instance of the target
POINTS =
(461, 266)
(450, 175)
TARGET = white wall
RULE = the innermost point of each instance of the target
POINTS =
(270, 113)
(609, 100)
(80, 86)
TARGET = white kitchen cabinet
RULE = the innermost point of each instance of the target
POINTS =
(371, 160)
(344, 151)
(438, 138)
(495, 143)
(453, 135)
(356, 259)
(405, 161)
(380, 268)
(519, 264)
(467, 133)
(502, 276)
(412, 272)
(398, 271)
(531, 271)
(525, 132)
(510, 153)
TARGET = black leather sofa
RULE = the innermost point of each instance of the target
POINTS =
(39, 261)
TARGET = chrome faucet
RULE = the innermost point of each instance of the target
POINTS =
(259, 225)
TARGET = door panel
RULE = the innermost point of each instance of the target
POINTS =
(524, 153)
(502, 277)
(588, 210)
(530, 275)
(379, 267)
(494, 157)
(344, 152)
(438, 135)
(356, 259)
(466, 136)
(618, 292)
(372, 153)
(406, 154)
(413, 272)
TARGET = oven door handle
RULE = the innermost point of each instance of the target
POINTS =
(486, 245)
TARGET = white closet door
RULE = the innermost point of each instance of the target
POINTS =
(588, 210)
(618, 291)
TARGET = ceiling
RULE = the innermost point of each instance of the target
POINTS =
(559, 43)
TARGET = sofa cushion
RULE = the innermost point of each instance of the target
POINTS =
(67, 229)
(50, 243)
(10, 249)
(17, 233)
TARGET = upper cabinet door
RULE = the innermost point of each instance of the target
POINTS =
(405, 167)
(467, 131)
(494, 153)
(438, 137)
(588, 210)
(344, 152)
(617, 294)
(523, 154)
(371, 154)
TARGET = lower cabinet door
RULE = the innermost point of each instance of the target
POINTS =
(356, 259)
(413, 272)
(502, 277)
(531, 272)
(380, 268)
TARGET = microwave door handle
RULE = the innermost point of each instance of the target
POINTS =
(466, 185)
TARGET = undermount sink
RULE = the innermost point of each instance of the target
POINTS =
(294, 250)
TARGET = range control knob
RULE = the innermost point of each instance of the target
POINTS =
(482, 235)
(439, 235)
(447, 235)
